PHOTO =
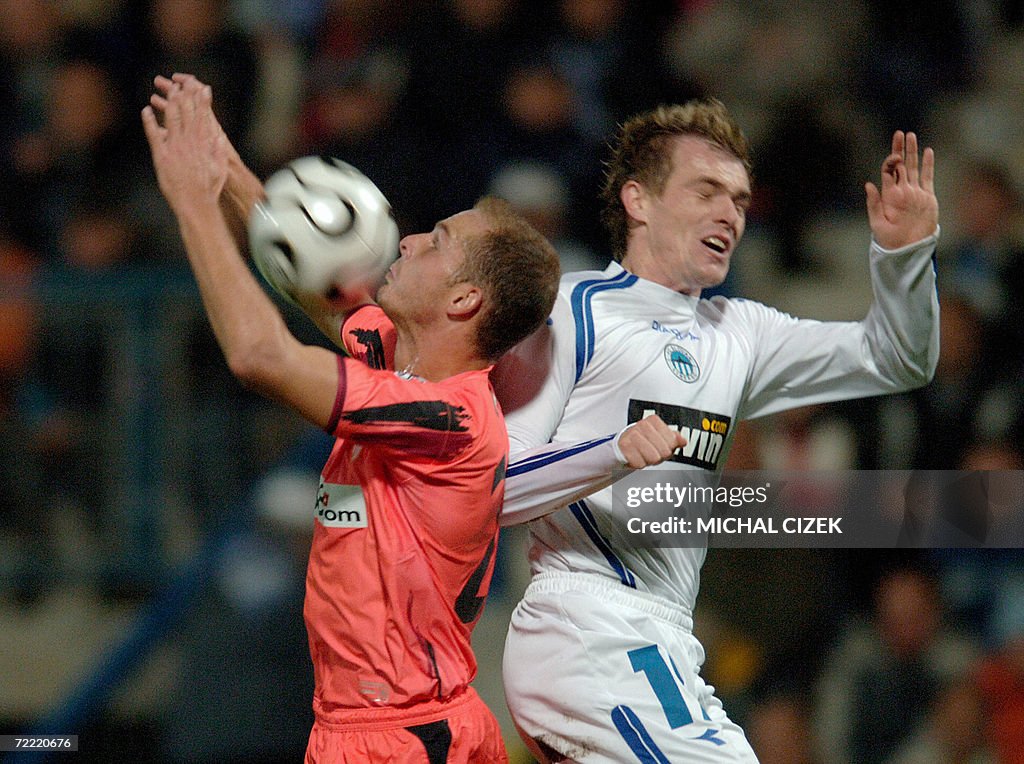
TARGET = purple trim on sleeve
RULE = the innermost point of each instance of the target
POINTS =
(339, 399)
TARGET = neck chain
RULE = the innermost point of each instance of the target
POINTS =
(407, 372)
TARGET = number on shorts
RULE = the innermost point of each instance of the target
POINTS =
(649, 661)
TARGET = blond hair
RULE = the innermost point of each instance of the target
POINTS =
(642, 151)
(518, 270)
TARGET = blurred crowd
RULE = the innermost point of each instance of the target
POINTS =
(124, 442)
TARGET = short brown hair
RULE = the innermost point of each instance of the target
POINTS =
(518, 269)
(642, 151)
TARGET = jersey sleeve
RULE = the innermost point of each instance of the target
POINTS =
(407, 416)
(369, 336)
(534, 379)
(895, 348)
(533, 382)
(543, 479)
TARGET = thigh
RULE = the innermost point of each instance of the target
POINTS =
(594, 684)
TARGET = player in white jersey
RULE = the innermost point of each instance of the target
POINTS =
(601, 664)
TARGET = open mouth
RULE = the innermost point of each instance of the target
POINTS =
(715, 243)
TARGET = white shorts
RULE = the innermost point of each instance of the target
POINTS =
(598, 673)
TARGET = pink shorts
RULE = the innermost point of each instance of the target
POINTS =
(458, 730)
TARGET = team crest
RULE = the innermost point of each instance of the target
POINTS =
(682, 363)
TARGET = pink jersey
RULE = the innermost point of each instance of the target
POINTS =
(394, 589)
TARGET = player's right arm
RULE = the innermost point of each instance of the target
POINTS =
(533, 381)
(549, 477)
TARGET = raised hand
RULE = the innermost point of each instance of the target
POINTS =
(648, 442)
(188, 83)
(905, 210)
(190, 151)
(242, 189)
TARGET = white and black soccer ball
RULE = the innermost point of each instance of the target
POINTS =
(322, 224)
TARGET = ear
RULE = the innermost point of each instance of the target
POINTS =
(464, 301)
(634, 200)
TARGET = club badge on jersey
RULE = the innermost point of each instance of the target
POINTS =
(682, 363)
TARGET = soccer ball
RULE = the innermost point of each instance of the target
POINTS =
(323, 224)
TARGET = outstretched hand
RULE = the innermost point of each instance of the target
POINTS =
(242, 189)
(190, 151)
(188, 83)
(905, 210)
(648, 442)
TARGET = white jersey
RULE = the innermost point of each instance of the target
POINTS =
(617, 348)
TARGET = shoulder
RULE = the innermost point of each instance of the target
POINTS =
(585, 294)
(472, 393)
(367, 316)
(474, 410)
(580, 283)
(727, 308)
(369, 336)
(737, 312)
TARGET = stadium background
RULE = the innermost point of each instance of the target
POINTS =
(151, 557)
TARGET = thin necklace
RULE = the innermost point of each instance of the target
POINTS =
(407, 372)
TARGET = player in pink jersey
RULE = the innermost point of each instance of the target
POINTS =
(430, 458)
(394, 587)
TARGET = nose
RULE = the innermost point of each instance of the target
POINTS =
(413, 243)
(405, 246)
(728, 215)
(726, 211)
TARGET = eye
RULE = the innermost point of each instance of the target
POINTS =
(705, 191)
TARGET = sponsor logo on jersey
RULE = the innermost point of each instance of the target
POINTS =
(679, 335)
(705, 431)
(340, 506)
(378, 692)
(682, 363)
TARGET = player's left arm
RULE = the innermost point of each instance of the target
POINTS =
(896, 346)
(905, 210)
(191, 157)
(241, 191)
(902, 327)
